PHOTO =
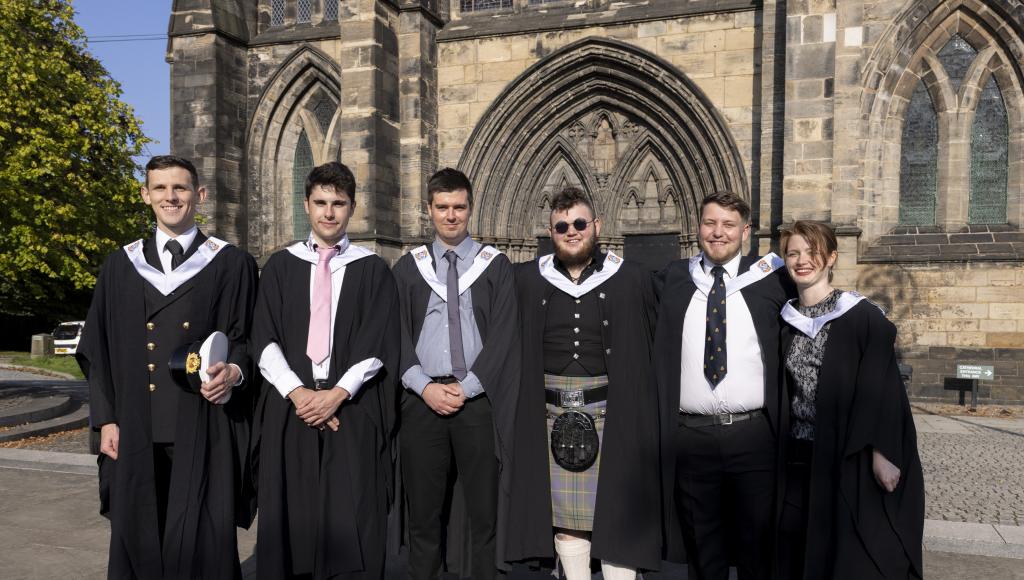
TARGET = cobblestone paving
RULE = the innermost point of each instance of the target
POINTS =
(973, 469)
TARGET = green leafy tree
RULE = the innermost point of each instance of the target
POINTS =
(68, 187)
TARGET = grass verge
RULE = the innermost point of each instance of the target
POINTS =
(61, 364)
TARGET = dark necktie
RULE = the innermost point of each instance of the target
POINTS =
(715, 358)
(454, 320)
(177, 253)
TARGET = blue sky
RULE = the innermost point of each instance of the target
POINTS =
(138, 64)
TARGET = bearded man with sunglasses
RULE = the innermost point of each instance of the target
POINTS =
(587, 415)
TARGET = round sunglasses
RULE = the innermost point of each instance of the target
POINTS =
(579, 224)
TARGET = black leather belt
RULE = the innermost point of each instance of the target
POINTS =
(445, 380)
(714, 420)
(320, 385)
(577, 398)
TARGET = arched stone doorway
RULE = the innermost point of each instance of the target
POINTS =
(627, 127)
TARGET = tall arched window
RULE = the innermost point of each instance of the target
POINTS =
(989, 136)
(919, 161)
(301, 167)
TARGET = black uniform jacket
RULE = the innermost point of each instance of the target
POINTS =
(209, 492)
(627, 518)
(855, 529)
(355, 470)
(675, 288)
(497, 315)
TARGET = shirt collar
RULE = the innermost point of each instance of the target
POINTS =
(342, 244)
(184, 239)
(732, 267)
(596, 264)
(464, 250)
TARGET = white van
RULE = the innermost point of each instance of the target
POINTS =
(66, 337)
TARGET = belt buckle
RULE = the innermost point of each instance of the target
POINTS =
(728, 420)
(319, 384)
(570, 399)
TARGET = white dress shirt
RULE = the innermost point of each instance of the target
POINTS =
(163, 237)
(273, 365)
(742, 389)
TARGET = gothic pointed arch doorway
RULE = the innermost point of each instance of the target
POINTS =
(630, 129)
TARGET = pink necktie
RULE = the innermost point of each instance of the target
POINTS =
(318, 345)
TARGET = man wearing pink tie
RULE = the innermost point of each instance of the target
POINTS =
(326, 335)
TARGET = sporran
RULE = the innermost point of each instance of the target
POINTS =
(574, 442)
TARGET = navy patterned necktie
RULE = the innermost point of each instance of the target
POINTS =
(454, 320)
(177, 253)
(715, 358)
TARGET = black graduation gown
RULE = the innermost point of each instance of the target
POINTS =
(209, 492)
(674, 288)
(855, 529)
(346, 475)
(627, 515)
(497, 318)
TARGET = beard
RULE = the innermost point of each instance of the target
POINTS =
(579, 256)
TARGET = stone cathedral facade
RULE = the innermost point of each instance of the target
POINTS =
(900, 122)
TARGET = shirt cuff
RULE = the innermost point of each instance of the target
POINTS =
(471, 386)
(415, 379)
(241, 377)
(358, 374)
(275, 369)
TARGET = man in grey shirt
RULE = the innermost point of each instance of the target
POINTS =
(459, 370)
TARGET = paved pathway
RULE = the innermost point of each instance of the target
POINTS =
(13, 375)
(973, 468)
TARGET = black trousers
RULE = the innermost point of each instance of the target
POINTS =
(163, 461)
(429, 444)
(725, 490)
(793, 519)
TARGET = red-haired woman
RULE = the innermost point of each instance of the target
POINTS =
(854, 495)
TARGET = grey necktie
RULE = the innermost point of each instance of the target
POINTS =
(454, 320)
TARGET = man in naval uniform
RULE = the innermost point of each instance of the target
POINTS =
(172, 462)
(718, 368)
(459, 369)
(326, 335)
(585, 469)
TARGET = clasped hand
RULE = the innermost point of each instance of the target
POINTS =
(444, 399)
(318, 408)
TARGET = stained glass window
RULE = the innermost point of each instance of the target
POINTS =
(277, 13)
(324, 112)
(956, 57)
(301, 167)
(331, 9)
(304, 11)
(989, 137)
(474, 5)
(919, 160)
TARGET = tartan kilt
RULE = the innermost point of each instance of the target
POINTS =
(574, 494)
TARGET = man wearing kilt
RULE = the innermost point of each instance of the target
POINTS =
(587, 415)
